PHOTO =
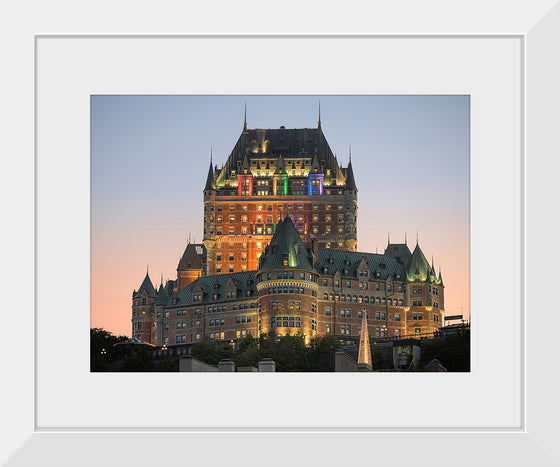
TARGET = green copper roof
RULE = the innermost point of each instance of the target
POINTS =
(245, 283)
(418, 268)
(347, 262)
(285, 250)
(147, 286)
(164, 293)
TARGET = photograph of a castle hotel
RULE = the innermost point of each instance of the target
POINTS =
(277, 280)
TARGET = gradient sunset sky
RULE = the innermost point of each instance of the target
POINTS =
(150, 156)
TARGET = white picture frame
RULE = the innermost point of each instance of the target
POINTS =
(528, 438)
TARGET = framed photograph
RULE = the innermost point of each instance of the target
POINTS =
(504, 411)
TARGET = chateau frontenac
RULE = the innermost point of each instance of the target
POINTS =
(279, 254)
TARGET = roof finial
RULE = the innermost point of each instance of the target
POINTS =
(388, 239)
(245, 118)
(405, 238)
(162, 279)
(210, 155)
(349, 153)
(147, 268)
(417, 237)
(319, 122)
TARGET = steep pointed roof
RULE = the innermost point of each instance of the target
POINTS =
(245, 167)
(210, 182)
(315, 166)
(399, 251)
(418, 268)
(440, 280)
(190, 259)
(350, 181)
(147, 286)
(280, 168)
(163, 294)
(294, 143)
(285, 250)
(364, 352)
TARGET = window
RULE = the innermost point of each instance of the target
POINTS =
(397, 316)
(327, 328)
(327, 312)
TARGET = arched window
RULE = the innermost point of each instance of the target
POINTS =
(360, 299)
(355, 299)
(326, 296)
(366, 299)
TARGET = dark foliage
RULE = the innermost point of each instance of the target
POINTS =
(288, 352)
(103, 353)
(454, 352)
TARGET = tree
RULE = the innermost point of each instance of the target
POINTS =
(321, 353)
(103, 352)
(212, 352)
(453, 351)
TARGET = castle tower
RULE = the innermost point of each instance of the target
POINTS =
(287, 284)
(351, 192)
(424, 295)
(142, 310)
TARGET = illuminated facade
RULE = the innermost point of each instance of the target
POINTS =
(271, 173)
(279, 255)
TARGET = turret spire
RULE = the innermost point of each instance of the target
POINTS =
(364, 352)
(319, 122)
(245, 118)
(210, 183)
